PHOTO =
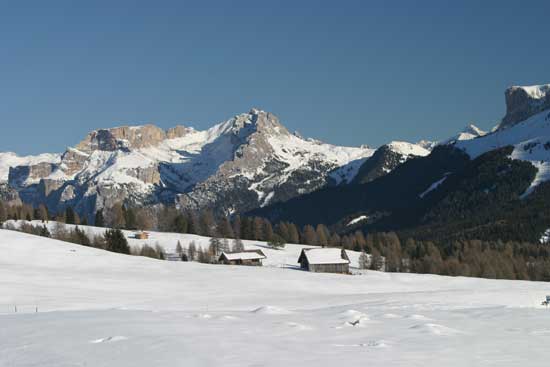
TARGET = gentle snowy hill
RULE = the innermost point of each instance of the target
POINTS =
(98, 308)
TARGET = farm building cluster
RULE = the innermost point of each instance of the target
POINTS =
(315, 259)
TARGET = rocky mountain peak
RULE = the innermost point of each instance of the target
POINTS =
(523, 102)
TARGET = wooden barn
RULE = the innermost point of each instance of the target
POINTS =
(141, 235)
(324, 260)
(246, 257)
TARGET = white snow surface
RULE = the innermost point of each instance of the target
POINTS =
(535, 91)
(528, 138)
(408, 149)
(357, 220)
(468, 133)
(10, 159)
(101, 309)
(432, 187)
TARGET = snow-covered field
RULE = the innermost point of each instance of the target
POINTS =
(97, 308)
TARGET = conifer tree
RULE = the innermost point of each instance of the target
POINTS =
(226, 230)
(321, 233)
(309, 236)
(116, 242)
(293, 234)
(70, 215)
(3, 213)
(179, 249)
(180, 224)
(192, 251)
(99, 220)
(267, 231)
(237, 245)
(363, 260)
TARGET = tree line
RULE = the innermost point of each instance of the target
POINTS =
(396, 252)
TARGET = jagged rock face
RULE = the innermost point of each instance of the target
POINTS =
(524, 102)
(9, 195)
(22, 176)
(129, 137)
(240, 164)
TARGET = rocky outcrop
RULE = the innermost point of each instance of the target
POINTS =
(524, 102)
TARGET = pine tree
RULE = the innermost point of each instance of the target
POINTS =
(376, 260)
(237, 245)
(44, 232)
(215, 246)
(160, 252)
(179, 249)
(193, 223)
(335, 240)
(293, 234)
(277, 242)
(282, 230)
(258, 229)
(226, 230)
(70, 216)
(42, 213)
(130, 218)
(322, 239)
(99, 221)
(116, 242)
(180, 224)
(192, 251)
(237, 227)
(309, 236)
(267, 231)
(3, 213)
(116, 216)
(208, 224)
(363, 260)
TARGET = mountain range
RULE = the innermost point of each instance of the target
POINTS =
(251, 164)
(246, 162)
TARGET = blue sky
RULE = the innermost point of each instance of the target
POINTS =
(346, 72)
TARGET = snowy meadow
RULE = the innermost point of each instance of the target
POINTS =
(97, 308)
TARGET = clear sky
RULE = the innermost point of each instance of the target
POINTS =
(346, 72)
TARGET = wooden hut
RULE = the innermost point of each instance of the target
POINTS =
(141, 235)
(246, 257)
(324, 260)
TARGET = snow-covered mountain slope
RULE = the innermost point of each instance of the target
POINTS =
(9, 159)
(531, 141)
(99, 308)
(237, 165)
(468, 133)
(385, 159)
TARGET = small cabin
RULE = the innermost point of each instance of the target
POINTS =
(141, 235)
(247, 257)
(324, 260)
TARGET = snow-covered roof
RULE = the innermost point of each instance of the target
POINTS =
(325, 256)
(245, 255)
